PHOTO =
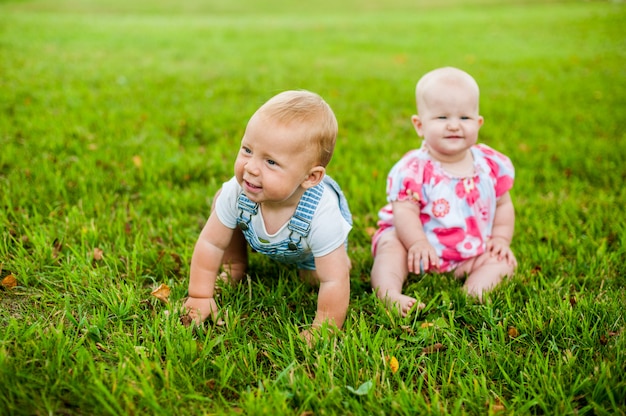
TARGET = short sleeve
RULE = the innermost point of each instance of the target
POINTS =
(226, 203)
(405, 180)
(501, 169)
(329, 228)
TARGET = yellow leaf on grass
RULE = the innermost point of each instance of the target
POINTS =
(137, 161)
(162, 293)
(370, 231)
(393, 364)
(496, 406)
(9, 282)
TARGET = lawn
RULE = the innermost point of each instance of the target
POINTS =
(120, 119)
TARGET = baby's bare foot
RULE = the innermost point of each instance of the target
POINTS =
(406, 303)
(230, 276)
(225, 279)
(403, 303)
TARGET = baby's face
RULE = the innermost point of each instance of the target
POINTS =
(273, 161)
(449, 120)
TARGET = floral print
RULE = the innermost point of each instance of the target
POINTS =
(456, 212)
(441, 207)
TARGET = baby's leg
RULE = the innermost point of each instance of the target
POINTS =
(390, 271)
(483, 273)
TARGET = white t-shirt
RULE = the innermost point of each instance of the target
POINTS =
(329, 229)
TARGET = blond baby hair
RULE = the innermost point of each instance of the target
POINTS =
(312, 112)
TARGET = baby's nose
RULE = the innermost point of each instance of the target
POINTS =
(252, 166)
(453, 124)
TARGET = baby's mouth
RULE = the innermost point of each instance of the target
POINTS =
(251, 186)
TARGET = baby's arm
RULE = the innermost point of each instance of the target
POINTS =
(502, 231)
(333, 271)
(406, 220)
(205, 264)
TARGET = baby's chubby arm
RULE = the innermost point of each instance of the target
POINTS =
(205, 263)
(502, 231)
(409, 229)
(333, 272)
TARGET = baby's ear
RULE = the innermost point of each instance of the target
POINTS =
(315, 176)
(417, 124)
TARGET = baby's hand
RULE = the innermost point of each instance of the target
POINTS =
(309, 336)
(499, 247)
(198, 309)
(312, 335)
(422, 257)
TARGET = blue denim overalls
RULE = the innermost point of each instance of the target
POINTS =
(290, 250)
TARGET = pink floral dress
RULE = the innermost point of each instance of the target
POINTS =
(457, 213)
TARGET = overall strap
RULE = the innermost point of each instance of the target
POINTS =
(245, 206)
(300, 222)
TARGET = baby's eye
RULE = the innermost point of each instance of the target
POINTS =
(244, 149)
(465, 118)
(271, 162)
(442, 117)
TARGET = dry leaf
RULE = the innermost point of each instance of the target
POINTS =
(513, 332)
(393, 364)
(57, 246)
(400, 59)
(97, 254)
(137, 161)
(496, 407)
(426, 325)
(434, 348)
(162, 293)
(370, 231)
(9, 282)
(407, 329)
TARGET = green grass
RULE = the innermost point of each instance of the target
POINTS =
(120, 119)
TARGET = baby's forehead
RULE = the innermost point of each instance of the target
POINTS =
(443, 81)
(266, 120)
(445, 84)
(261, 124)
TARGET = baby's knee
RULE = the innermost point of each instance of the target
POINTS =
(389, 242)
(507, 268)
(502, 264)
